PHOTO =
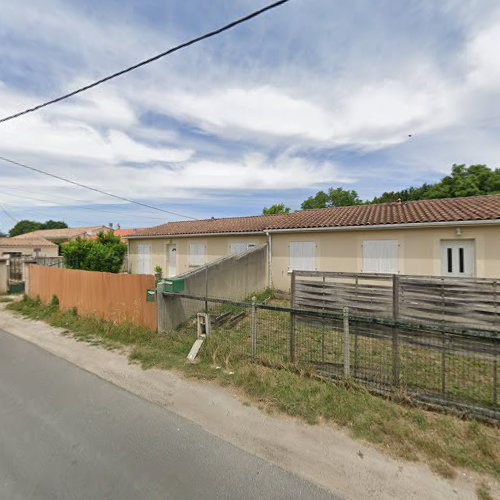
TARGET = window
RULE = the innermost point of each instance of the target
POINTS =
(381, 256)
(197, 254)
(302, 255)
(144, 259)
(240, 247)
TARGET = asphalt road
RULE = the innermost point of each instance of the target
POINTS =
(66, 434)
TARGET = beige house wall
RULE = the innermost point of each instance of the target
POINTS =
(419, 251)
(341, 250)
(50, 251)
(217, 247)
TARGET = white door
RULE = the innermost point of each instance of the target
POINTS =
(172, 260)
(458, 258)
(144, 259)
(302, 256)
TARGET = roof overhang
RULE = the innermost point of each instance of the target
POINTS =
(410, 225)
(195, 235)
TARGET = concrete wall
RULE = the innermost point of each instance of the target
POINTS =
(234, 277)
(3, 276)
(419, 252)
(217, 247)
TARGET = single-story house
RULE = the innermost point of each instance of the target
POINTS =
(65, 234)
(27, 247)
(449, 237)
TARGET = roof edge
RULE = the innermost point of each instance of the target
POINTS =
(405, 225)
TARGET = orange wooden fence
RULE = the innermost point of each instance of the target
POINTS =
(118, 298)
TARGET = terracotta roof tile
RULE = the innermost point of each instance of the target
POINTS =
(25, 242)
(473, 208)
(63, 234)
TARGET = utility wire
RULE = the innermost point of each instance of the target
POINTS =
(148, 61)
(93, 189)
(7, 214)
(83, 206)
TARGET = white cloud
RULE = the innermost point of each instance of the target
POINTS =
(268, 101)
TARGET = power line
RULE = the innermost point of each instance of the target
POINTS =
(150, 60)
(7, 214)
(84, 207)
(93, 189)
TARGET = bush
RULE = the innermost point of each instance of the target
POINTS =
(105, 254)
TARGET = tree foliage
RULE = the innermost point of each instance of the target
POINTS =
(105, 253)
(338, 197)
(278, 208)
(27, 226)
(474, 180)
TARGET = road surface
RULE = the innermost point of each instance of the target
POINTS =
(67, 434)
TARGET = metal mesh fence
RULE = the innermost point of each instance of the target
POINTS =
(444, 367)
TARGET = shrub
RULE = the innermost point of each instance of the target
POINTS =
(105, 254)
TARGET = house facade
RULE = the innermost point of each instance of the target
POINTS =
(448, 237)
(27, 247)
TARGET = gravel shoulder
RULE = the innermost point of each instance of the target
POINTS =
(322, 454)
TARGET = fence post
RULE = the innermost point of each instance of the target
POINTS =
(347, 343)
(254, 326)
(444, 348)
(495, 400)
(292, 320)
(395, 297)
(395, 357)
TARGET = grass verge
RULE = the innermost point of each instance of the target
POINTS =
(442, 441)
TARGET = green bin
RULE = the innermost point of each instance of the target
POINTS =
(174, 285)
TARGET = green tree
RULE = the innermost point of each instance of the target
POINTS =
(338, 197)
(55, 224)
(278, 208)
(25, 226)
(473, 180)
(105, 253)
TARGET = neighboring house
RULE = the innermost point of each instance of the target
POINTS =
(122, 233)
(27, 247)
(449, 237)
(65, 234)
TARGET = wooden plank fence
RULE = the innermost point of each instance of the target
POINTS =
(120, 298)
(421, 299)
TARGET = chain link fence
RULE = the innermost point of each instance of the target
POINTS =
(454, 367)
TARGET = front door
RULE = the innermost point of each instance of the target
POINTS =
(172, 260)
(458, 258)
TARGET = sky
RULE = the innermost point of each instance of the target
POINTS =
(316, 93)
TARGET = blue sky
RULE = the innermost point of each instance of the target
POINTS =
(317, 93)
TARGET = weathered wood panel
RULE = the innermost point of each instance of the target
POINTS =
(428, 299)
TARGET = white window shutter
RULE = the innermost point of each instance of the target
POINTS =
(381, 256)
(144, 259)
(303, 255)
(197, 254)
